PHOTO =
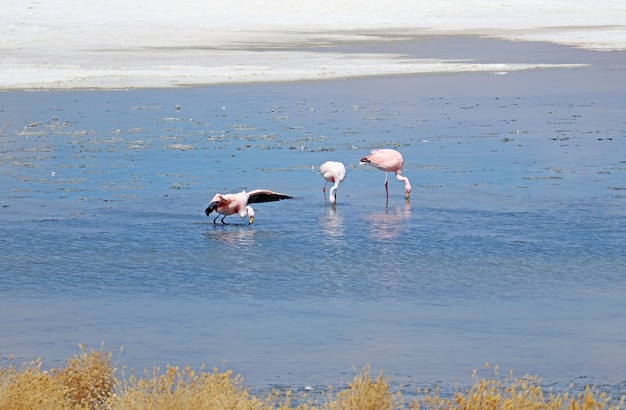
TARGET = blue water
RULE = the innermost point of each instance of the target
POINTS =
(511, 250)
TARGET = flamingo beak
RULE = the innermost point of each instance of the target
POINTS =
(406, 196)
(251, 220)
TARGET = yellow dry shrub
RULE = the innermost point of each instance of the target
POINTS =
(87, 382)
(184, 389)
(365, 394)
(88, 376)
(31, 388)
(515, 393)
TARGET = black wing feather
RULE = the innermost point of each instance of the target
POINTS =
(266, 196)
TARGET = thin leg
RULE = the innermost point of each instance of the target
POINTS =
(223, 219)
(387, 185)
(324, 191)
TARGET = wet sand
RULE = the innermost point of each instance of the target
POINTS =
(114, 44)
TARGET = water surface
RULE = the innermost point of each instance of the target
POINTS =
(511, 250)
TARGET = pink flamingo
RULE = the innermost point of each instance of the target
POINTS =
(334, 172)
(229, 204)
(388, 160)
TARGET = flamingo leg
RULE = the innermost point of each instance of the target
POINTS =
(222, 220)
(387, 184)
(324, 191)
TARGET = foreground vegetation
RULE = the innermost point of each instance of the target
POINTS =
(90, 381)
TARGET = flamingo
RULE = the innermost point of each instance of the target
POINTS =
(229, 204)
(334, 172)
(388, 160)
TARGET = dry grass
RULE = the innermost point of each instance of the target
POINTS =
(523, 393)
(88, 377)
(364, 394)
(85, 382)
(31, 388)
(183, 389)
(88, 381)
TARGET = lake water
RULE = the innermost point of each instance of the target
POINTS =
(511, 251)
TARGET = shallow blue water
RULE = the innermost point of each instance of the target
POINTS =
(511, 250)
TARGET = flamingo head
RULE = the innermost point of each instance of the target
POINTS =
(250, 212)
(407, 189)
(212, 207)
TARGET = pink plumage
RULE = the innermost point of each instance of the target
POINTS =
(230, 204)
(388, 160)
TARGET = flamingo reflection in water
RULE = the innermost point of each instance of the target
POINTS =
(390, 224)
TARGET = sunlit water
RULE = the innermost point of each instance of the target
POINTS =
(511, 250)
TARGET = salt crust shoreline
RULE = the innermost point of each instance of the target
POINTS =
(115, 44)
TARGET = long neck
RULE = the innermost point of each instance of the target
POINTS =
(333, 189)
(407, 184)
(246, 211)
(250, 213)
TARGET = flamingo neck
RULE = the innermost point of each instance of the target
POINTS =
(333, 189)
(246, 211)
(407, 184)
(250, 213)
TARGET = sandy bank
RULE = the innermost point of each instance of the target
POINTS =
(117, 44)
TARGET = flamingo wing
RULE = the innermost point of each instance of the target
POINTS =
(263, 195)
(333, 171)
(218, 203)
(384, 159)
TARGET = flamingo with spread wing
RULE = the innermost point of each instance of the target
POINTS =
(239, 203)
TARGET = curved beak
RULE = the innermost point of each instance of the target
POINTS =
(251, 220)
(406, 196)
